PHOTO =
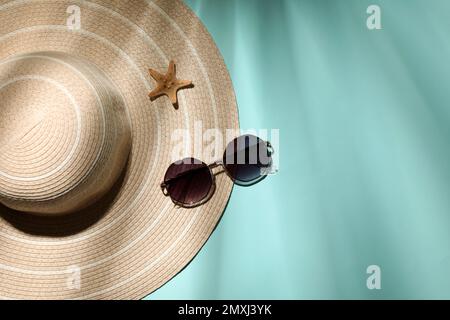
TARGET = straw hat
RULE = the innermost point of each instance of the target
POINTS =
(83, 150)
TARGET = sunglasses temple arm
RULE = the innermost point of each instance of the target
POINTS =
(164, 189)
(270, 148)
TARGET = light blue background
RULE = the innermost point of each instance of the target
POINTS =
(365, 162)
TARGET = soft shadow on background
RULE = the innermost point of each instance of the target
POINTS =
(365, 159)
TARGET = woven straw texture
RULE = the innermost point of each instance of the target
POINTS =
(94, 124)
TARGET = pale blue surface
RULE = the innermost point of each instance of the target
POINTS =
(365, 162)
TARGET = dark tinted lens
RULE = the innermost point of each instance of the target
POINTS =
(189, 181)
(246, 157)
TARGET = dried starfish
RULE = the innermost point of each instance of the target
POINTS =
(168, 84)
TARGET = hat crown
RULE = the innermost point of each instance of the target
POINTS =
(64, 133)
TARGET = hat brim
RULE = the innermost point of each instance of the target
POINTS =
(135, 239)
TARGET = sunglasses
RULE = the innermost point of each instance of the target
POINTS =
(191, 182)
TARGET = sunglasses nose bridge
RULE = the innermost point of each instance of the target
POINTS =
(216, 167)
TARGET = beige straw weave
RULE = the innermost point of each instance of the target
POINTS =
(76, 125)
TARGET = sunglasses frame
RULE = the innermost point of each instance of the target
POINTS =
(164, 185)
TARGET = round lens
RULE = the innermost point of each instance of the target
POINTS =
(188, 182)
(246, 158)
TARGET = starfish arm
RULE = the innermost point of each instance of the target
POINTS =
(157, 92)
(172, 71)
(183, 84)
(156, 75)
(172, 94)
